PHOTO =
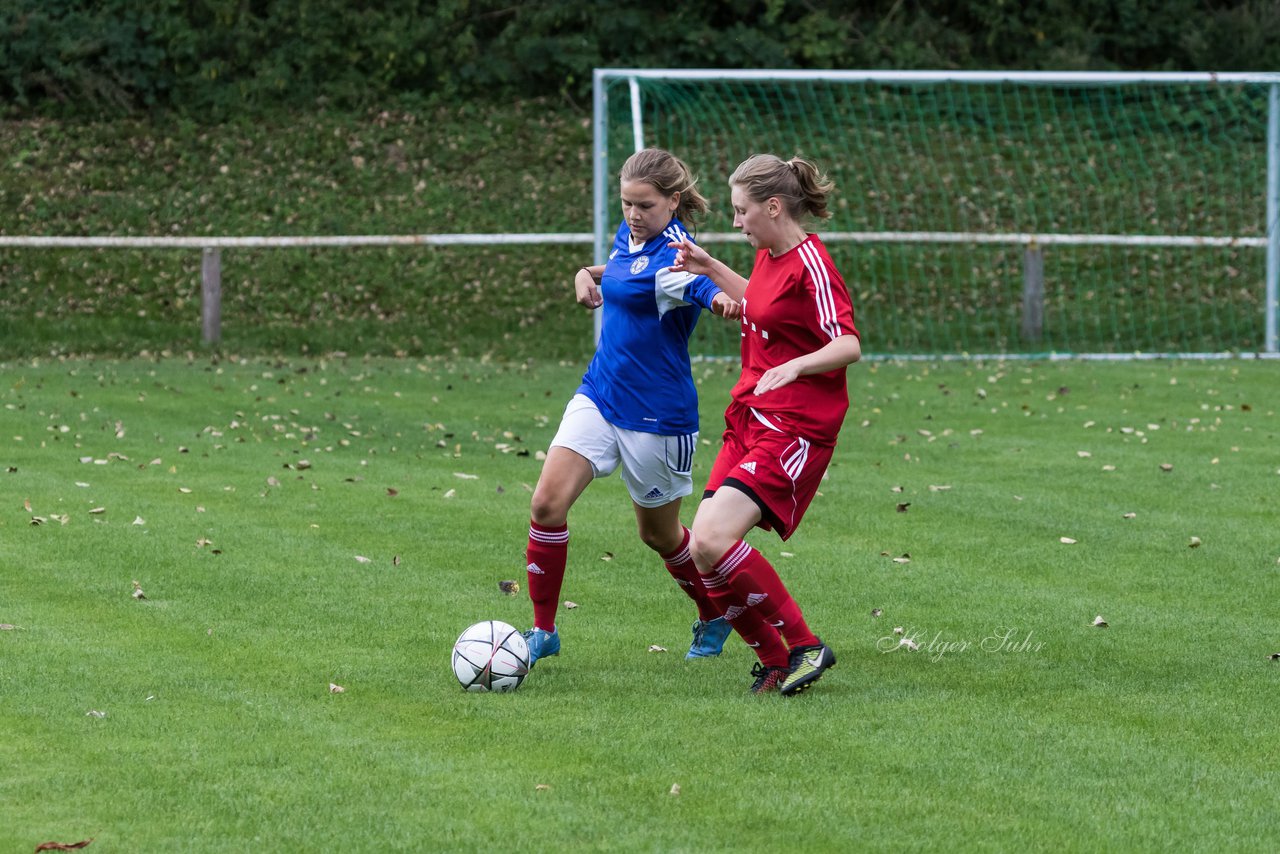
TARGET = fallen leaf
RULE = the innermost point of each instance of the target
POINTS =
(465, 476)
(510, 588)
(97, 511)
(7, 627)
(656, 648)
(363, 559)
(451, 493)
(607, 556)
(569, 606)
(1131, 515)
(897, 489)
(395, 560)
(1108, 467)
(903, 559)
(1166, 467)
(336, 689)
(909, 644)
(272, 481)
(1099, 622)
(786, 554)
(936, 487)
(875, 612)
(94, 713)
(38, 520)
(902, 508)
(1195, 543)
(1275, 656)
(63, 846)
(1084, 455)
(138, 520)
(1067, 541)
(137, 591)
(184, 490)
(542, 787)
(392, 492)
(897, 630)
(675, 788)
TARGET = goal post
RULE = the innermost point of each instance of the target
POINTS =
(1009, 213)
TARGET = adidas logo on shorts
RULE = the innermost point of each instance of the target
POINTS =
(653, 493)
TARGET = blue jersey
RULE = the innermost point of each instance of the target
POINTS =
(640, 377)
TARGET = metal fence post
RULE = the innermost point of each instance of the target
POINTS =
(1033, 292)
(211, 295)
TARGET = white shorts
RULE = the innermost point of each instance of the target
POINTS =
(656, 469)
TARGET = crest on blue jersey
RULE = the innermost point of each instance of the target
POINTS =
(638, 265)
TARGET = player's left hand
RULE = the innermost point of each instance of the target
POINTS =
(726, 306)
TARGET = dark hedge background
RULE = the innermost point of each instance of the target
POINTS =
(210, 58)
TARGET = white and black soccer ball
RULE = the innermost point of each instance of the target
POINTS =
(491, 656)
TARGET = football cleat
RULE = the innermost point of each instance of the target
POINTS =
(808, 663)
(709, 637)
(542, 644)
(767, 678)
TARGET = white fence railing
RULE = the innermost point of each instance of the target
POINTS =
(211, 248)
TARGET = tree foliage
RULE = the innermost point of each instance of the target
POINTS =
(210, 57)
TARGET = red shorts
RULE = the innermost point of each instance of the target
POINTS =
(778, 470)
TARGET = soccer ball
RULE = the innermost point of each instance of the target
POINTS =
(491, 656)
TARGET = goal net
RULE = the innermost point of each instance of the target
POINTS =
(995, 213)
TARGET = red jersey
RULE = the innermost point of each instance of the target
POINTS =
(794, 304)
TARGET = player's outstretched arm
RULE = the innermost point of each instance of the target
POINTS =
(692, 258)
(586, 286)
(836, 353)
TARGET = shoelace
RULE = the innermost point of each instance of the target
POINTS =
(763, 677)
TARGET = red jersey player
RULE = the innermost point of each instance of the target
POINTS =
(788, 405)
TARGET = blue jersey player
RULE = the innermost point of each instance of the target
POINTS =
(637, 407)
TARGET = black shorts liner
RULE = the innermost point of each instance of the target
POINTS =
(769, 520)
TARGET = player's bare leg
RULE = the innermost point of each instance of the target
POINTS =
(661, 530)
(565, 476)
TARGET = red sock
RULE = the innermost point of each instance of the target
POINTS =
(547, 554)
(757, 583)
(681, 567)
(746, 621)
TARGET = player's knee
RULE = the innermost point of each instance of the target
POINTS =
(662, 542)
(707, 545)
(548, 509)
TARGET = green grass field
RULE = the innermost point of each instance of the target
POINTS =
(296, 524)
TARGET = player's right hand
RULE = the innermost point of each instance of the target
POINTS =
(587, 290)
(690, 258)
